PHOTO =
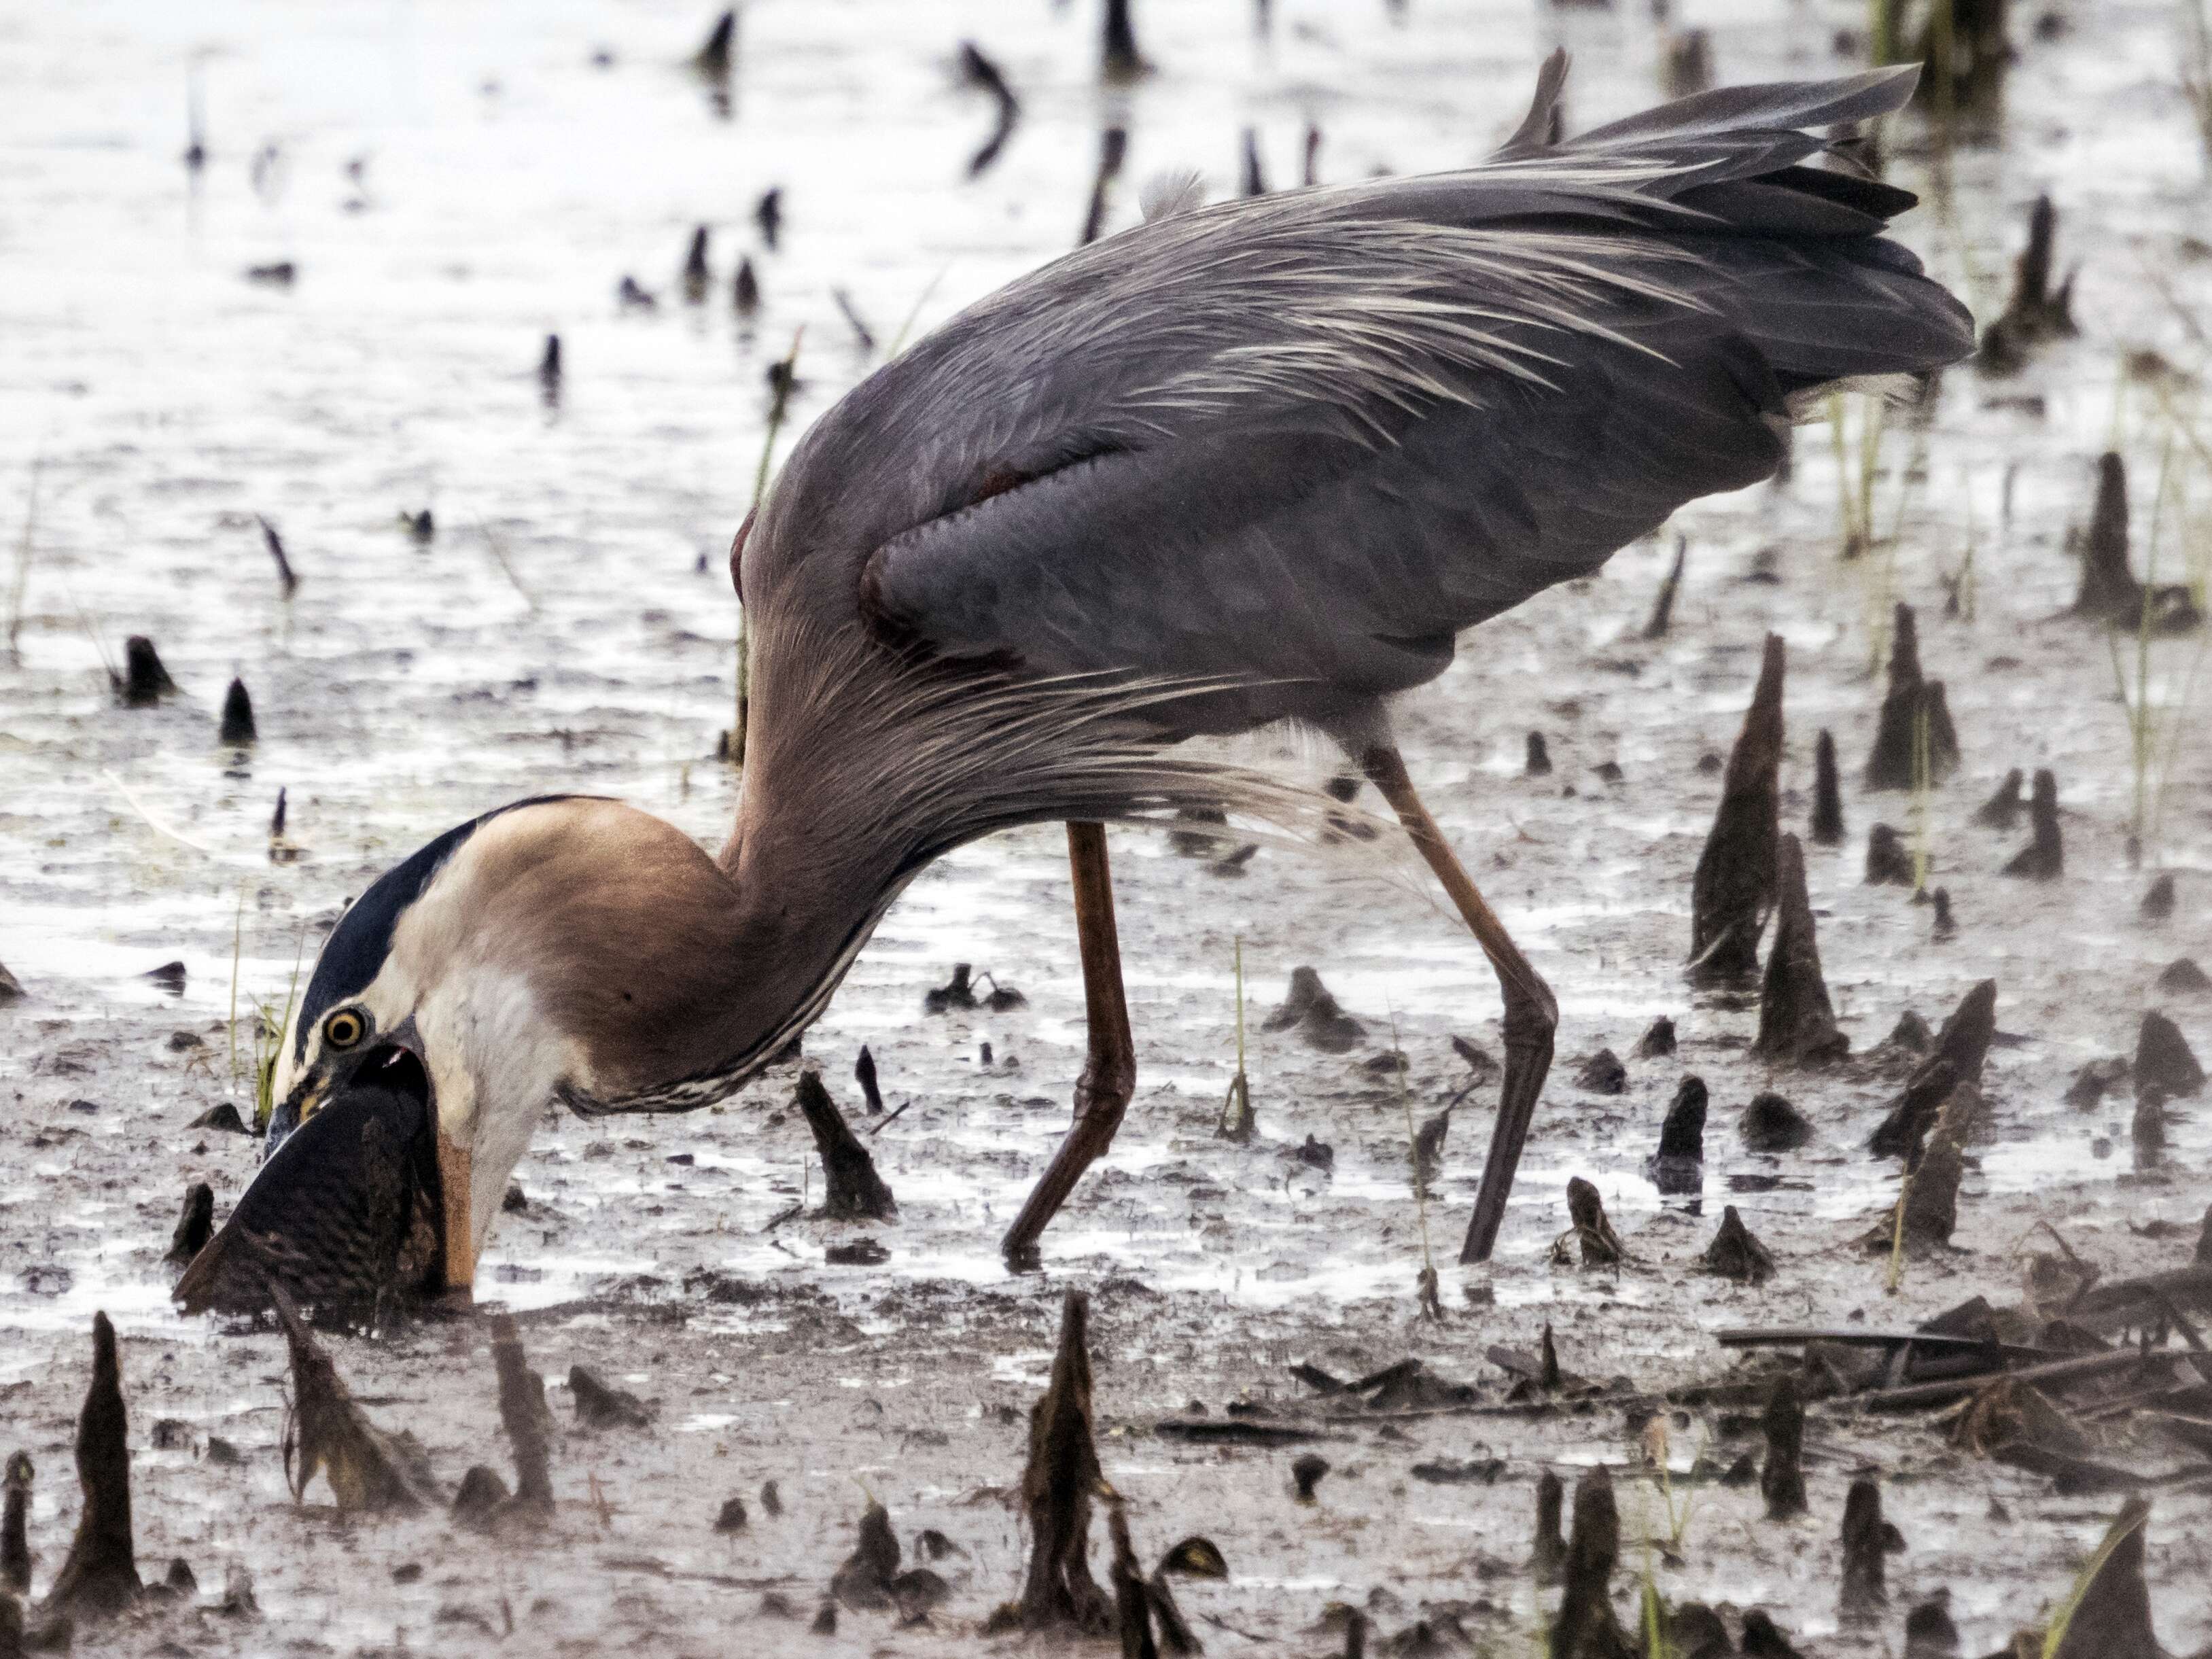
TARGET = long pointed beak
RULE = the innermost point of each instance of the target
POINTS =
(458, 1238)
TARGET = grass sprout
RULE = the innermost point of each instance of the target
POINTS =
(1237, 1105)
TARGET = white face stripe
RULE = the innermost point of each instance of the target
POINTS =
(495, 1062)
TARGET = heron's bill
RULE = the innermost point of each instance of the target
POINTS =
(456, 1169)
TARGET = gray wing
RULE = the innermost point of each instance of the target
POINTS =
(1305, 439)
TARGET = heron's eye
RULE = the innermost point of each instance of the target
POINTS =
(345, 1029)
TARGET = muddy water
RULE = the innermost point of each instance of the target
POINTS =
(570, 626)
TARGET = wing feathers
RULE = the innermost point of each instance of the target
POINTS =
(1326, 430)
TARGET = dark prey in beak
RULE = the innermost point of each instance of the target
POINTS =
(345, 1213)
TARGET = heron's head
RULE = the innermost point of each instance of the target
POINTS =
(562, 948)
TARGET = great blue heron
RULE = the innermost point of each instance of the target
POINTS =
(1258, 461)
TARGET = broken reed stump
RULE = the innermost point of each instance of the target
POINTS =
(327, 1431)
(524, 1415)
(145, 682)
(2044, 859)
(237, 727)
(1826, 828)
(101, 1573)
(1782, 1475)
(286, 577)
(1971, 52)
(853, 1189)
(2109, 592)
(1058, 1592)
(695, 273)
(1601, 1245)
(1319, 1019)
(1549, 1556)
(1771, 1124)
(15, 1536)
(1254, 179)
(2035, 311)
(1656, 1043)
(1113, 149)
(1961, 1050)
(2158, 900)
(1930, 1633)
(1735, 1252)
(1864, 1557)
(599, 1405)
(2003, 809)
(1796, 1022)
(1662, 608)
(1538, 763)
(1118, 57)
(1902, 1134)
(1889, 862)
(1914, 742)
(1929, 1200)
(1132, 1596)
(2164, 1061)
(1733, 886)
(1586, 1627)
(712, 60)
(864, 1579)
(864, 1073)
(1603, 1073)
(480, 1499)
(2108, 588)
(1682, 1136)
(194, 1225)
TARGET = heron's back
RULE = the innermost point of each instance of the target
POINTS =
(1300, 442)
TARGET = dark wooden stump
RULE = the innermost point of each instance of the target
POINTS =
(1733, 886)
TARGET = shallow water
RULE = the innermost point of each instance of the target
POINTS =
(571, 627)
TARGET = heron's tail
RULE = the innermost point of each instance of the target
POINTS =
(1808, 274)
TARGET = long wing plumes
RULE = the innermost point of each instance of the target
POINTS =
(1301, 441)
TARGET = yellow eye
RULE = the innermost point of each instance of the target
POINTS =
(345, 1029)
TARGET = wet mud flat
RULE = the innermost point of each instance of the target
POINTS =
(555, 628)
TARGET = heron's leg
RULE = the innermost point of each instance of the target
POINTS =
(1109, 1074)
(1531, 1014)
